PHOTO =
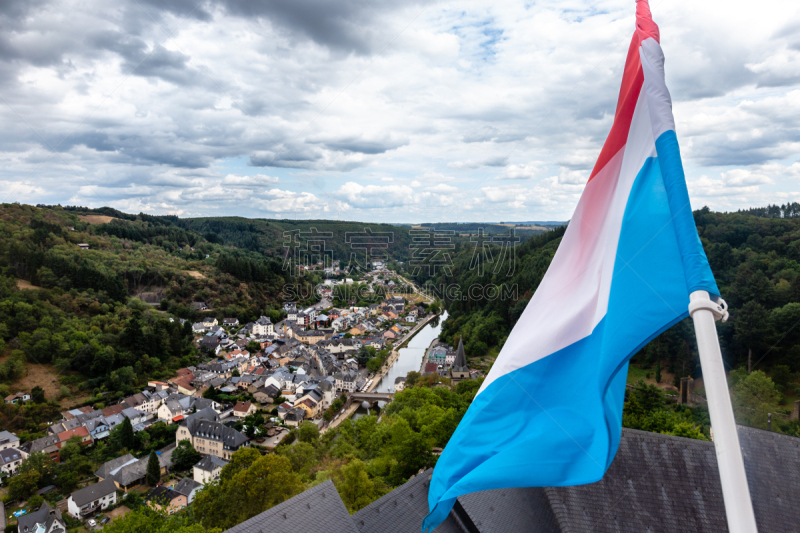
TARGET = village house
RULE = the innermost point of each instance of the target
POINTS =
(399, 383)
(49, 444)
(19, 397)
(166, 498)
(267, 394)
(87, 500)
(311, 336)
(10, 460)
(208, 469)
(230, 322)
(310, 407)
(263, 326)
(8, 440)
(295, 416)
(346, 381)
(178, 405)
(209, 436)
(243, 409)
(188, 487)
(128, 472)
(81, 432)
(46, 520)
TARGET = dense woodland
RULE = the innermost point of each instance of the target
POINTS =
(349, 242)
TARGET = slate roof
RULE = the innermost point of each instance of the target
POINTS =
(162, 495)
(186, 485)
(656, 483)
(210, 462)
(93, 492)
(10, 455)
(45, 515)
(318, 509)
(109, 468)
(229, 437)
(132, 470)
(402, 510)
(7, 437)
(40, 444)
(460, 364)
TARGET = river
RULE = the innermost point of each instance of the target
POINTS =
(410, 357)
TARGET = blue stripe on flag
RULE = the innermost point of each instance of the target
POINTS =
(558, 421)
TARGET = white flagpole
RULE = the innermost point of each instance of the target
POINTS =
(735, 491)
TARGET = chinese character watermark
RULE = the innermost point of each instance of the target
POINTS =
(431, 249)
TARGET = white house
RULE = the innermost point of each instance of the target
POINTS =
(263, 326)
(10, 460)
(8, 440)
(89, 499)
(208, 469)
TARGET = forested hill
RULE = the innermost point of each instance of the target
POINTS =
(756, 261)
(342, 240)
(70, 311)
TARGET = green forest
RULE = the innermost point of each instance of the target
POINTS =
(347, 242)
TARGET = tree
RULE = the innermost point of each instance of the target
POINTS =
(184, 456)
(70, 449)
(308, 432)
(412, 378)
(40, 463)
(752, 329)
(122, 435)
(67, 482)
(754, 396)
(255, 482)
(658, 371)
(23, 485)
(153, 470)
(37, 395)
(781, 376)
(354, 486)
(364, 355)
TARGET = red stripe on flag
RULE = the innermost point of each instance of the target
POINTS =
(632, 79)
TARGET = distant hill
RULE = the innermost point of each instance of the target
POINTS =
(344, 240)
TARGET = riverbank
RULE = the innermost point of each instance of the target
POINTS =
(398, 363)
(395, 354)
(426, 357)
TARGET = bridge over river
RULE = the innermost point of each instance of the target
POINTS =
(371, 397)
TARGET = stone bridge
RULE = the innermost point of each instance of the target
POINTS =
(371, 397)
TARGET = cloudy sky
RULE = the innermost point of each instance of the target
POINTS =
(390, 110)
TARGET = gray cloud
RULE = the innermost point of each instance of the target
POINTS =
(507, 103)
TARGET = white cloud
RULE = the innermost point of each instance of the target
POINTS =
(281, 201)
(739, 177)
(259, 180)
(374, 196)
(478, 108)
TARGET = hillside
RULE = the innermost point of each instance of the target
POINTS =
(344, 240)
(68, 323)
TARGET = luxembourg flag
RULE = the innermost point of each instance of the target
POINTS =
(550, 411)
